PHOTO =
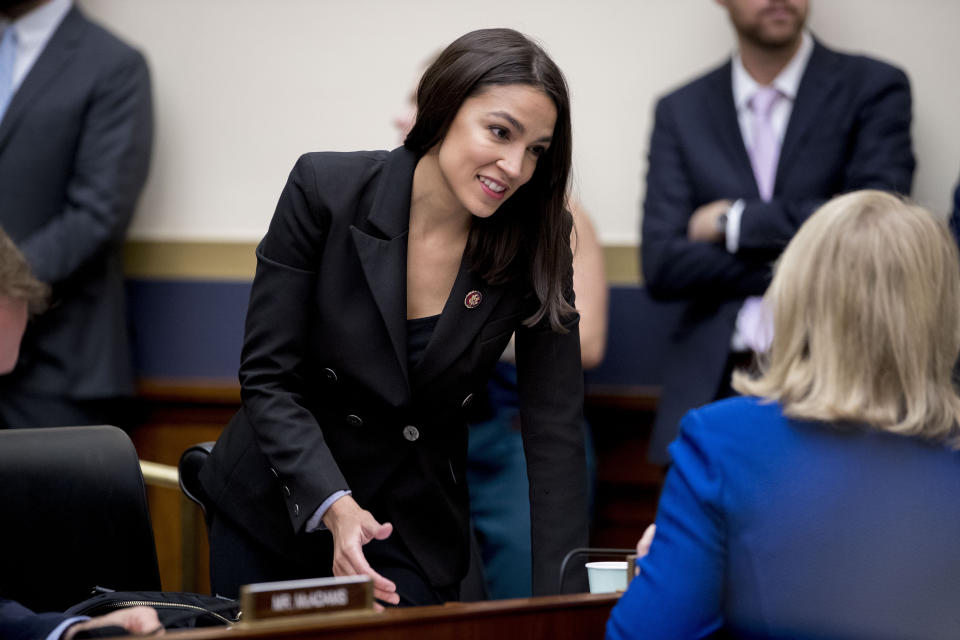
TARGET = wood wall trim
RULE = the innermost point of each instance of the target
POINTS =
(236, 261)
(189, 390)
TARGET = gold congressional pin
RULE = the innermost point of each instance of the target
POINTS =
(473, 300)
(302, 597)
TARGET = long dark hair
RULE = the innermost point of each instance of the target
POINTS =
(529, 236)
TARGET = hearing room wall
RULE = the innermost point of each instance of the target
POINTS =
(242, 87)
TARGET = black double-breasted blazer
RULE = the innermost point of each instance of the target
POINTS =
(329, 401)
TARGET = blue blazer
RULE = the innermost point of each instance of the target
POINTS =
(849, 129)
(775, 527)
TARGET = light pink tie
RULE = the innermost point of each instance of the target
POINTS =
(754, 324)
(765, 147)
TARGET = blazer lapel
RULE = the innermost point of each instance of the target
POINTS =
(460, 322)
(383, 251)
(53, 61)
(723, 112)
(817, 84)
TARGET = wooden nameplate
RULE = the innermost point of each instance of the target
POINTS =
(267, 600)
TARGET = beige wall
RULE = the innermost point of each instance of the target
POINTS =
(244, 86)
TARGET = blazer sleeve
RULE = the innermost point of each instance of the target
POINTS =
(110, 168)
(273, 384)
(550, 381)
(880, 157)
(673, 265)
(19, 623)
(679, 592)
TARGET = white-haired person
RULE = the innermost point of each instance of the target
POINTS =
(21, 296)
(823, 502)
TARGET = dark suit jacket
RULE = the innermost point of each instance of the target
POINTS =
(328, 394)
(19, 623)
(782, 528)
(74, 149)
(955, 216)
(849, 129)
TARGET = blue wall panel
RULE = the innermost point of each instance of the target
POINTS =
(187, 329)
(194, 329)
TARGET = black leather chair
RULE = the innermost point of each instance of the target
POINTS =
(189, 466)
(74, 516)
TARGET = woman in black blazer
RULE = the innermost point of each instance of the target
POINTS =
(387, 287)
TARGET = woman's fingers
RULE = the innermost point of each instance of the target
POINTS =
(383, 589)
(353, 527)
(351, 561)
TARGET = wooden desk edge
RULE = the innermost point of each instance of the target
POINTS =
(407, 616)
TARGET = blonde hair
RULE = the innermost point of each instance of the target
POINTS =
(17, 280)
(866, 314)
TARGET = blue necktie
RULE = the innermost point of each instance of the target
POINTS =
(8, 46)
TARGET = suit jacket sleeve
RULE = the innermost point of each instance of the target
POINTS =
(673, 265)
(955, 216)
(110, 168)
(679, 592)
(880, 156)
(550, 382)
(273, 385)
(19, 623)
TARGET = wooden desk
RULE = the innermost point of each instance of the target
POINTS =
(574, 617)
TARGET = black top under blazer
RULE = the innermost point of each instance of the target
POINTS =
(328, 397)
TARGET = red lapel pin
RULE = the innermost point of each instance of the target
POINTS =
(473, 300)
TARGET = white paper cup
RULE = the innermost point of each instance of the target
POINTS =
(607, 577)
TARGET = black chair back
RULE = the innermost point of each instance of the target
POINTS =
(75, 516)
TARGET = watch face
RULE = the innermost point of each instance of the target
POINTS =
(722, 222)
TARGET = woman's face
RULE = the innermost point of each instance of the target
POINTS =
(493, 145)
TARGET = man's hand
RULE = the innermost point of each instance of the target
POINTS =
(702, 226)
(643, 545)
(136, 620)
(353, 527)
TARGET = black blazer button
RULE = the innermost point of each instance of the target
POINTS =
(411, 433)
(354, 420)
(296, 510)
(286, 491)
(467, 401)
(330, 375)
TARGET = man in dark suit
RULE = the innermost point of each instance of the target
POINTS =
(739, 158)
(75, 138)
(955, 216)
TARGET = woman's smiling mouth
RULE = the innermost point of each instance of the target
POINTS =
(492, 187)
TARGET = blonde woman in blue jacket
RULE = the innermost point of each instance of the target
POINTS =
(822, 504)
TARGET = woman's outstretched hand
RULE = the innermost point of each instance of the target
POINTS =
(353, 527)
